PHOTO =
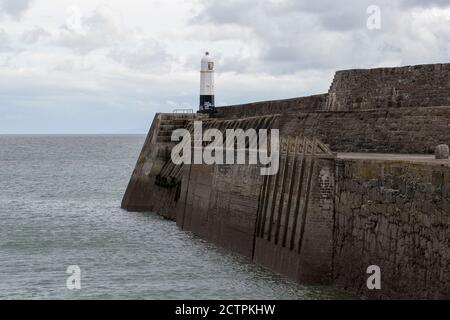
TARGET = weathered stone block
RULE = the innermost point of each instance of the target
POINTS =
(442, 152)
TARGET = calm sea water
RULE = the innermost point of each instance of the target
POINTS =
(60, 205)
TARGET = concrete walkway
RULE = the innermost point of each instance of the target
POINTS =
(424, 158)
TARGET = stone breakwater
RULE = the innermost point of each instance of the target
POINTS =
(325, 216)
(394, 214)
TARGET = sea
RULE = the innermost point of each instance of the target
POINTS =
(60, 218)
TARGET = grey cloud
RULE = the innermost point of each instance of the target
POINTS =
(343, 21)
(104, 31)
(305, 35)
(97, 32)
(245, 12)
(147, 56)
(425, 3)
(224, 12)
(5, 42)
(14, 8)
(324, 6)
(328, 14)
(34, 35)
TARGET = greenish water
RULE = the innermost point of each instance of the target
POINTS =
(60, 205)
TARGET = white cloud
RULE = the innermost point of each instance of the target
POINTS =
(5, 43)
(125, 61)
(34, 35)
(97, 31)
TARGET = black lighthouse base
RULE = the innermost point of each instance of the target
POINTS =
(207, 104)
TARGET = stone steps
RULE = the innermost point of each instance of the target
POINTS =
(169, 123)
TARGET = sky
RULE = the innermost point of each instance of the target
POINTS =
(93, 66)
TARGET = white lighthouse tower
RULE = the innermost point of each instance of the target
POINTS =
(207, 84)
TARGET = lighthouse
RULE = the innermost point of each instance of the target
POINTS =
(207, 84)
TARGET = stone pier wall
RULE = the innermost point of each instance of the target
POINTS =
(411, 86)
(283, 222)
(323, 220)
(220, 204)
(394, 130)
(320, 220)
(301, 104)
(143, 193)
(402, 130)
(395, 215)
(295, 213)
(295, 220)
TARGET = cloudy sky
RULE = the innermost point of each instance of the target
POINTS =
(92, 66)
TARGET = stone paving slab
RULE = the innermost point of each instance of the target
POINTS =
(424, 158)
